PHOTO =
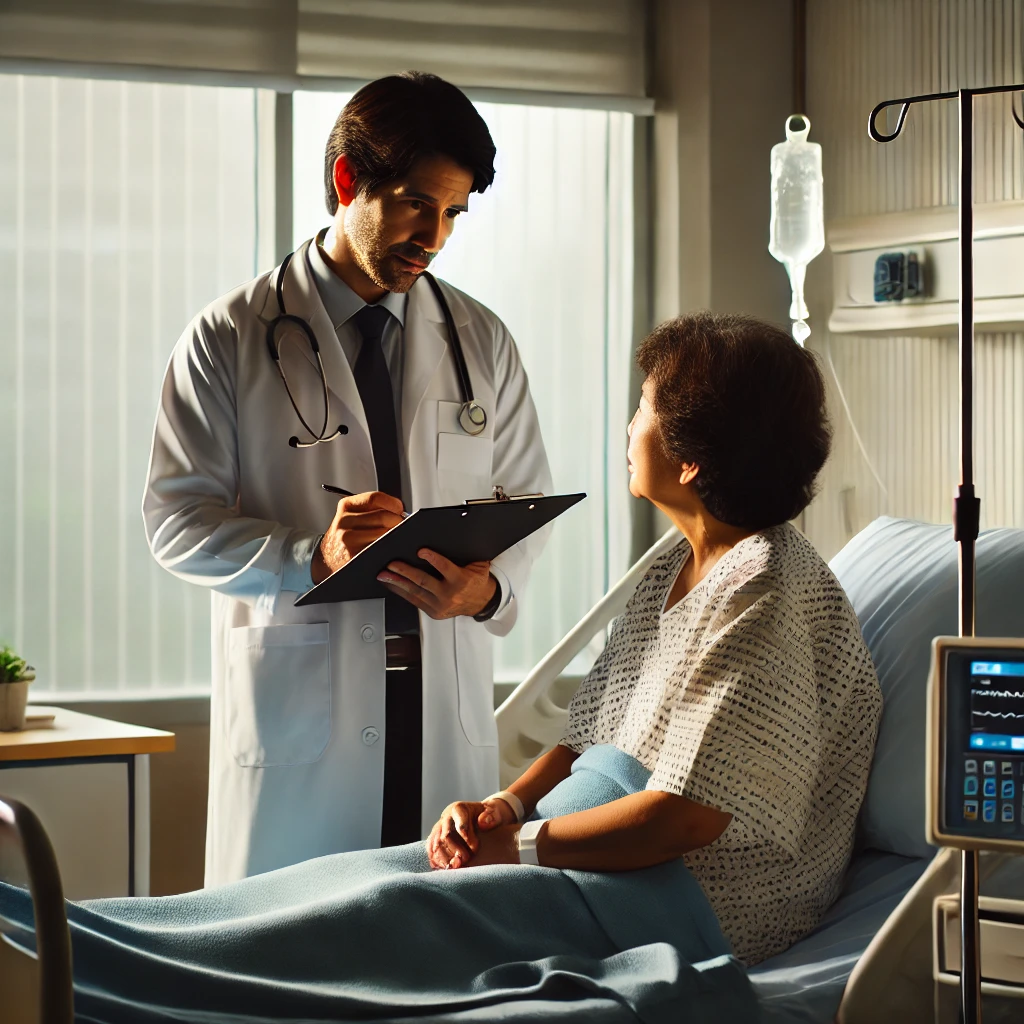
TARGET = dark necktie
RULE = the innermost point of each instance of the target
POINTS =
(403, 712)
(374, 384)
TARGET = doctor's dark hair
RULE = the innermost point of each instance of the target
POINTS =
(744, 402)
(392, 122)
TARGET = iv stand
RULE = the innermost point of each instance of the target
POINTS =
(966, 506)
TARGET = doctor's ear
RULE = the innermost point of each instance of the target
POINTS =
(344, 180)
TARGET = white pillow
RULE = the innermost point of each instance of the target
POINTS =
(901, 578)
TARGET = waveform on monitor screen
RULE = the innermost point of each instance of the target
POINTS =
(1019, 694)
(996, 714)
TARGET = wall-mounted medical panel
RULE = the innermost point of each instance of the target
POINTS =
(865, 249)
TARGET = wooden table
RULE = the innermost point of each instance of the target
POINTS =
(73, 738)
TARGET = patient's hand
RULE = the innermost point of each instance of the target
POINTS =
(453, 842)
(498, 846)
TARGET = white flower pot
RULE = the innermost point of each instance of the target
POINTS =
(13, 698)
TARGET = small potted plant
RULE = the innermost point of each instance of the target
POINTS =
(15, 676)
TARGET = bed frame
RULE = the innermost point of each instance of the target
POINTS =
(36, 989)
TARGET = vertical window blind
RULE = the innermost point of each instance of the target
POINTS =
(124, 208)
(549, 249)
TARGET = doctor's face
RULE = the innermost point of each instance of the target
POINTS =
(396, 230)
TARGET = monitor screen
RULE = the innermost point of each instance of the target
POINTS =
(997, 705)
(983, 745)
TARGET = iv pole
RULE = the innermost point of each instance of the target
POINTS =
(966, 506)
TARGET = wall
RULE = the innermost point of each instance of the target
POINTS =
(723, 88)
(722, 83)
(902, 391)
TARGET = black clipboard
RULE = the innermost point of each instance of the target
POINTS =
(477, 531)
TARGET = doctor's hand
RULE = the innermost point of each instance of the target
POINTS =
(455, 840)
(460, 591)
(359, 520)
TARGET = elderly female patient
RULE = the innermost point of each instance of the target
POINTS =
(701, 802)
(737, 676)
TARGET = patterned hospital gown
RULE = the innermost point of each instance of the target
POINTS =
(754, 694)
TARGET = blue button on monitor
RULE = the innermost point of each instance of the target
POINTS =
(1007, 812)
(988, 811)
(990, 767)
(1006, 789)
(971, 785)
(989, 788)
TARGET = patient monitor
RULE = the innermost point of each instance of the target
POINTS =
(976, 744)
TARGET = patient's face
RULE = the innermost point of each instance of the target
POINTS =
(652, 474)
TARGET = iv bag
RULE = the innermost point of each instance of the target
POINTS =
(797, 232)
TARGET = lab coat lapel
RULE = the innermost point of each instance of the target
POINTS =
(301, 295)
(427, 351)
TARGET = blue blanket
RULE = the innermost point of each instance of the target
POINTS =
(376, 935)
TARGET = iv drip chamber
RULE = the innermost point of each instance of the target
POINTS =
(797, 229)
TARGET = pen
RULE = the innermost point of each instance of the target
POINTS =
(330, 488)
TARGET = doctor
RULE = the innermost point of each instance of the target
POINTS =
(347, 726)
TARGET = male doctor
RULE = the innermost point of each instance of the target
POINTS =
(346, 726)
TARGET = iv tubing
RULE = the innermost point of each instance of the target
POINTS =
(853, 425)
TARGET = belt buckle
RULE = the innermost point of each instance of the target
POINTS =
(402, 651)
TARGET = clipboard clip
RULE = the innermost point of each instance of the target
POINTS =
(498, 495)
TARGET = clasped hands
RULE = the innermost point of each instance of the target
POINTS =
(360, 519)
(471, 833)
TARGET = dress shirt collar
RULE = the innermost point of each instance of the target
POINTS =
(339, 300)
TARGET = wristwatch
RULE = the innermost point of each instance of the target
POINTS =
(491, 607)
(526, 841)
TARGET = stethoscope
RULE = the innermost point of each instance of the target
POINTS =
(472, 416)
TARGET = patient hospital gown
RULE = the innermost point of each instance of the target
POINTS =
(754, 694)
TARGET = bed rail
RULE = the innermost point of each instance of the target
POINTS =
(19, 825)
(530, 721)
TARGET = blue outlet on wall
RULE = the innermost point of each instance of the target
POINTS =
(897, 277)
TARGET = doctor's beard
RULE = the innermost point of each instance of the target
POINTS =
(382, 263)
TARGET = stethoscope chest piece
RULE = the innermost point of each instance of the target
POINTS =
(472, 418)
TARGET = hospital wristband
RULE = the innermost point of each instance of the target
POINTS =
(512, 800)
(526, 841)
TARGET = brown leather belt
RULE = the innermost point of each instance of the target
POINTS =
(402, 651)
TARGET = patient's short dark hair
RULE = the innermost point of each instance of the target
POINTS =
(392, 122)
(743, 401)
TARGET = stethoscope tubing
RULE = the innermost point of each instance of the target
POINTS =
(472, 416)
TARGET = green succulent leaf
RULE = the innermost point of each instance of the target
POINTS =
(12, 668)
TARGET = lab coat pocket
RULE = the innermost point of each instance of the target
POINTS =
(475, 669)
(278, 694)
(464, 466)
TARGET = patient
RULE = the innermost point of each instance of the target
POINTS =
(701, 802)
(737, 677)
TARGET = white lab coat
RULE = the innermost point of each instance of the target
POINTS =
(297, 712)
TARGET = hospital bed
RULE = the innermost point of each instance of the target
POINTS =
(870, 958)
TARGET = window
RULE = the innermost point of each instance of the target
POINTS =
(549, 249)
(124, 208)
